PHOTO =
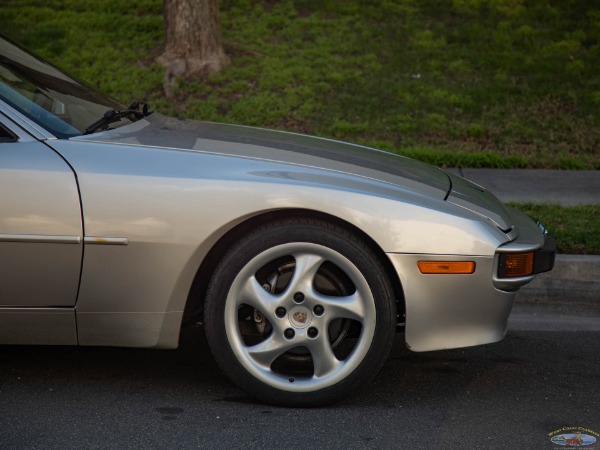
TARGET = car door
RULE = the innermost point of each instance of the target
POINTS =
(41, 232)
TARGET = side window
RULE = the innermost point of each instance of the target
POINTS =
(6, 135)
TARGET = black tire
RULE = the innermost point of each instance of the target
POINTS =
(337, 324)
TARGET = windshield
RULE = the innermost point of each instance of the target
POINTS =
(62, 105)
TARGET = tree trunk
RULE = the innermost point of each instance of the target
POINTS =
(193, 40)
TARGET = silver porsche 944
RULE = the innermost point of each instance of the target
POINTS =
(301, 256)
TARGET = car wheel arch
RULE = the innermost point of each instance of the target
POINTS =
(195, 302)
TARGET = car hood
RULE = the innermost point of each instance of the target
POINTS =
(477, 199)
(165, 132)
(290, 148)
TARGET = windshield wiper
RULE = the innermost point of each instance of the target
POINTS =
(132, 113)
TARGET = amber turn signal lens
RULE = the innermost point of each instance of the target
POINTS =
(518, 264)
(446, 267)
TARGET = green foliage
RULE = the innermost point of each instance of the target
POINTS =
(101, 42)
(576, 229)
(484, 83)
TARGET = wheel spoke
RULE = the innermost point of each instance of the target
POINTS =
(306, 268)
(253, 294)
(269, 350)
(350, 307)
(324, 360)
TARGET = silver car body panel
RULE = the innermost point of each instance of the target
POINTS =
(159, 193)
(40, 226)
(453, 311)
(38, 326)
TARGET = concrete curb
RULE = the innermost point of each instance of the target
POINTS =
(574, 279)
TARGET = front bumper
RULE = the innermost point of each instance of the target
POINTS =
(453, 311)
(545, 256)
(531, 238)
(542, 259)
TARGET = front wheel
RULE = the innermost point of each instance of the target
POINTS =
(300, 312)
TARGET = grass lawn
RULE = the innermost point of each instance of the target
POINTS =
(472, 83)
(576, 229)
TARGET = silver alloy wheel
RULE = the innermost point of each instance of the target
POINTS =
(300, 317)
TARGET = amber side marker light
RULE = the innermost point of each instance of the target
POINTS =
(516, 264)
(446, 267)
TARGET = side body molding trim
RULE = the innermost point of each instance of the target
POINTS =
(57, 239)
(100, 240)
(40, 238)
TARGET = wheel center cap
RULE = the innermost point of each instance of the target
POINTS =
(300, 316)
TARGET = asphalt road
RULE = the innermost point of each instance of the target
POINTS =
(512, 394)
